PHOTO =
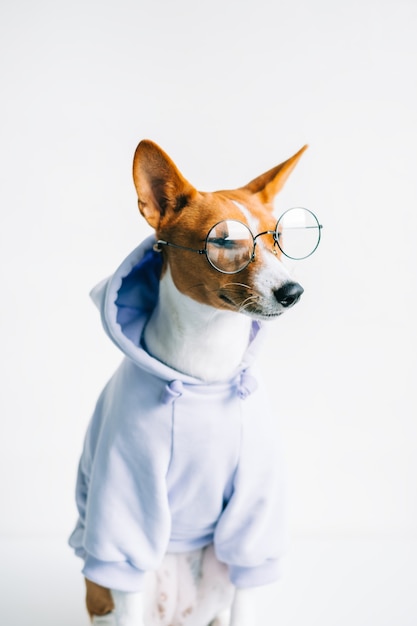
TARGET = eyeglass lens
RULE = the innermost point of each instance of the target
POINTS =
(298, 233)
(229, 246)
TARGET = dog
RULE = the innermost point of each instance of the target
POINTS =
(180, 488)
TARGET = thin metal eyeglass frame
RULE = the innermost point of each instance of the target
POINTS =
(275, 233)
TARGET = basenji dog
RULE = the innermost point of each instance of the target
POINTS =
(221, 274)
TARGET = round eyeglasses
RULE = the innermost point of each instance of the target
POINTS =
(230, 245)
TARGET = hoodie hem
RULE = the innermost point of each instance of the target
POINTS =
(243, 577)
(121, 576)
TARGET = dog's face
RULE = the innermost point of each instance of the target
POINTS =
(183, 216)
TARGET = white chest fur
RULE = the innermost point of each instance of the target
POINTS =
(195, 338)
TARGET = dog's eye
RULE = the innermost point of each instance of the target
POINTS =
(224, 242)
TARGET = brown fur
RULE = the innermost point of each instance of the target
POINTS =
(98, 599)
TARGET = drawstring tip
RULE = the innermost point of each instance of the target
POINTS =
(172, 391)
(247, 385)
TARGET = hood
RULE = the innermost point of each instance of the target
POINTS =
(126, 301)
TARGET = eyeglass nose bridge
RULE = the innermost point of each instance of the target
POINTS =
(255, 237)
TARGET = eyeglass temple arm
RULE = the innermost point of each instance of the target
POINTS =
(319, 226)
(158, 246)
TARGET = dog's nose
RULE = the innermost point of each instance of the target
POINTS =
(288, 294)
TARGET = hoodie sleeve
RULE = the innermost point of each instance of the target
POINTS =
(124, 522)
(250, 536)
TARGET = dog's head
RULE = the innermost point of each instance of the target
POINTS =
(221, 247)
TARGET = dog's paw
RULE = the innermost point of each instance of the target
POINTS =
(104, 620)
(223, 619)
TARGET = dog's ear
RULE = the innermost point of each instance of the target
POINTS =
(267, 185)
(160, 186)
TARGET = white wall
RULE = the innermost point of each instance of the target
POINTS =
(228, 88)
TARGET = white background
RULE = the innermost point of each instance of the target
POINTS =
(229, 89)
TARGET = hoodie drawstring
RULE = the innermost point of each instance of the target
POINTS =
(172, 391)
(246, 385)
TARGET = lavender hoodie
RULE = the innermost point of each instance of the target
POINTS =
(171, 463)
